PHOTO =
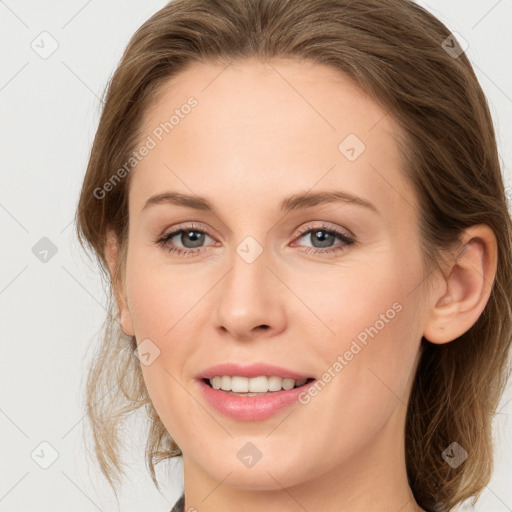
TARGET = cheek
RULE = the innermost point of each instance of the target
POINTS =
(164, 302)
(160, 297)
(356, 302)
(372, 330)
(367, 363)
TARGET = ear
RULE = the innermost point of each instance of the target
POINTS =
(461, 295)
(112, 253)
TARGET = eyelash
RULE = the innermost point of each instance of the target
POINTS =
(348, 240)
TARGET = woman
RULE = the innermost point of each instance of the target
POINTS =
(299, 208)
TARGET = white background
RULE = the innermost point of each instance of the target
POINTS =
(52, 312)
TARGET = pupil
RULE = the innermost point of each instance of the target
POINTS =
(322, 238)
(194, 237)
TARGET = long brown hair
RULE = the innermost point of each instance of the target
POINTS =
(408, 61)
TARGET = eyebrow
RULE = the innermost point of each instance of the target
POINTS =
(294, 202)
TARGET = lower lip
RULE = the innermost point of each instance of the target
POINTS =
(251, 408)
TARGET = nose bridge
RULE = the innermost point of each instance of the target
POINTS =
(249, 268)
(248, 293)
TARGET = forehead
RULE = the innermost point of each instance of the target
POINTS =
(265, 130)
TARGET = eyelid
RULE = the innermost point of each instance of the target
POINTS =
(325, 225)
(346, 237)
(190, 226)
(198, 225)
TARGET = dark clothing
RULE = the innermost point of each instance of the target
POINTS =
(179, 506)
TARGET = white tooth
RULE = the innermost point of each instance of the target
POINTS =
(288, 383)
(225, 383)
(262, 384)
(274, 383)
(239, 384)
(258, 385)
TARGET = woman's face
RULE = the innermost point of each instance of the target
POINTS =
(264, 277)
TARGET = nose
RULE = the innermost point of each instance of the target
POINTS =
(251, 300)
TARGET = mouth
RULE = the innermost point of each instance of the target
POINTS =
(242, 386)
(254, 398)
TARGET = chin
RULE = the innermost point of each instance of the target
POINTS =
(263, 480)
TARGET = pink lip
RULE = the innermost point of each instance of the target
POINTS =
(252, 370)
(251, 408)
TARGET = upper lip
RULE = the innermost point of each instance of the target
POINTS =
(251, 370)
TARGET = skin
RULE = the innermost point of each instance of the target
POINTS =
(261, 133)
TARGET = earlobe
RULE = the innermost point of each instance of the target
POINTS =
(462, 294)
(111, 255)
